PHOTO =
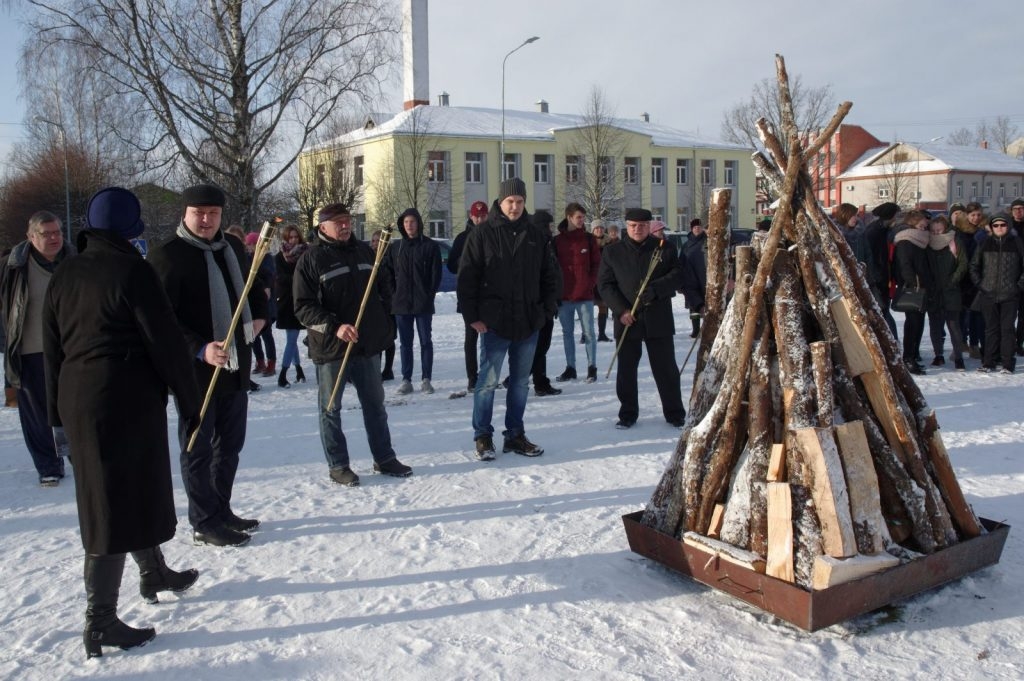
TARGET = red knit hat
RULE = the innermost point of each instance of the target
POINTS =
(478, 209)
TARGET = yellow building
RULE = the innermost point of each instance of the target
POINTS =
(440, 159)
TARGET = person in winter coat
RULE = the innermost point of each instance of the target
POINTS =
(201, 270)
(264, 350)
(477, 214)
(624, 265)
(508, 288)
(23, 279)
(694, 273)
(292, 248)
(330, 281)
(387, 373)
(948, 265)
(597, 229)
(912, 272)
(413, 270)
(854, 232)
(578, 258)
(997, 269)
(113, 350)
(1017, 227)
(971, 227)
(877, 238)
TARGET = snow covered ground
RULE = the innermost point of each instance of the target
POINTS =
(517, 569)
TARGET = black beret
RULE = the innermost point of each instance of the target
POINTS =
(331, 211)
(638, 215)
(203, 195)
(886, 211)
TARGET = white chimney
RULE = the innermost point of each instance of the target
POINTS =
(542, 106)
(442, 99)
(415, 55)
(645, 117)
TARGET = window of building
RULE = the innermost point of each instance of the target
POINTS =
(435, 166)
(707, 172)
(357, 175)
(1002, 190)
(320, 179)
(474, 167)
(572, 169)
(730, 173)
(510, 166)
(542, 169)
(988, 190)
(974, 190)
(959, 190)
(682, 220)
(437, 229)
(656, 214)
(1015, 187)
(884, 193)
(605, 170)
(682, 171)
(657, 171)
(630, 170)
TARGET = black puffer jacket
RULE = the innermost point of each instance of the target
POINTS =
(328, 287)
(997, 268)
(624, 265)
(413, 269)
(508, 276)
(694, 271)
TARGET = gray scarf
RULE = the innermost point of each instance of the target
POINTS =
(220, 302)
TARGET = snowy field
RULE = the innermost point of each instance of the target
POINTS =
(516, 569)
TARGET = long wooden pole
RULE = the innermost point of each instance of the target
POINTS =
(655, 259)
(262, 247)
(382, 246)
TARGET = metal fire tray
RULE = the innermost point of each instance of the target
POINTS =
(813, 610)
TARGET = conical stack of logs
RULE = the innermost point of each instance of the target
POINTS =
(809, 452)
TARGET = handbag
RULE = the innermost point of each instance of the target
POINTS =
(909, 300)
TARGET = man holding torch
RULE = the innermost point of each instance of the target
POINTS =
(201, 271)
(638, 278)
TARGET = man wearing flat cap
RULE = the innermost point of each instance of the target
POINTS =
(878, 238)
(201, 271)
(508, 288)
(624, 267)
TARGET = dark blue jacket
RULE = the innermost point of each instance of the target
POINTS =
(413, 270)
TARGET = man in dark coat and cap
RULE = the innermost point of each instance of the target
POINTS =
(624, 266)
(878, 239)
(201, 272)
(112, 351)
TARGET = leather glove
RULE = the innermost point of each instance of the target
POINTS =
(60, 441)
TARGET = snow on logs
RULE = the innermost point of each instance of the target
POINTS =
(809, 453)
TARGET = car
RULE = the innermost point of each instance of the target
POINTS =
(447, 278)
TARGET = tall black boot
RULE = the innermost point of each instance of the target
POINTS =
(155, 576)
(299, 376)
(602, 321)
(102, 627)
(282, 380)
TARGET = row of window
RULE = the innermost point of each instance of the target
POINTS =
(958, 190)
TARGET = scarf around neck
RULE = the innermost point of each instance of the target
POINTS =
(937, 242)
(918, 237)
(220, 303)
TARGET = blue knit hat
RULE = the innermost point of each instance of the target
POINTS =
(116, 210)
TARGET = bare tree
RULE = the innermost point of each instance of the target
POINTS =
(599, 144)
(813, 106)
(233, 89)
(961, 137)
(1003, 133)
(899, 181)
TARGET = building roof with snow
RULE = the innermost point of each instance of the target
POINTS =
(934, 158)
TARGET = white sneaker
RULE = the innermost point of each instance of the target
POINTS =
(426, 387)
(405, 388)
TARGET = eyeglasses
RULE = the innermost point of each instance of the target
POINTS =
(997, 225)
(48, 234)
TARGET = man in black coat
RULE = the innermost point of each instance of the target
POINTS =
(112, 352)
(201, 270)
(997, 269)
(329, 284)
(508, 288)
(694, 272)
(624, 266)
(477, 214)
(413, 270)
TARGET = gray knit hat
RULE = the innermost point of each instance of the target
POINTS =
(511, 187)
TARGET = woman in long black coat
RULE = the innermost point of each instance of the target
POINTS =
(112, 349)
(292, 248)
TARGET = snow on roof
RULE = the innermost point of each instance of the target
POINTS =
(451, 121)
(935, 158)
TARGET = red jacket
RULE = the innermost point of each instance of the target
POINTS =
(579, 258)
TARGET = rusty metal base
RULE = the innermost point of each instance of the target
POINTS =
(813, 610)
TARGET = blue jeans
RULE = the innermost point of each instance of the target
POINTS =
(423, 324)
(364, 372)
(567, 313)
(493, 349)
(290, 355)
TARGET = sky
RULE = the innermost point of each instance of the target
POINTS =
(914, 69)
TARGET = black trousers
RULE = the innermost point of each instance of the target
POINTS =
(913, 330)
(208, 471)
(661, 353)
(471, 349)
(35, 424)
(539, 370)
(1000, 335)
(938, 321)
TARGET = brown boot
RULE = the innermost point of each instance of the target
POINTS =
(271, 369)
(11, 397)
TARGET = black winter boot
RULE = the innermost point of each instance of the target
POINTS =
(155, 576)
(299, 376)
(282, 380)
(102, 627)
(602, 321)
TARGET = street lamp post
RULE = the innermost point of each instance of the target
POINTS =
(67, 182)
(501, 160)
(918, 173)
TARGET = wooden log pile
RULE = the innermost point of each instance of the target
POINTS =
(809, 453)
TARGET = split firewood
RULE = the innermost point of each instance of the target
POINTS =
(828, 489)
(862, 486)
(780, 532)
(724, 551)
(829, 571)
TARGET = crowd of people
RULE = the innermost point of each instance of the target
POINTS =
(95, 330)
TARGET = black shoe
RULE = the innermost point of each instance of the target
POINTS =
(394, 468)
(939, 361)
(485, 448)
(504, 384)
(983, 369)
(254, 387)
(237, 524)
(221, 536)
(568, 375)
(282, 380)
(958, 364)
(591, 374)
(694, 333)
(117, 633)
(387, 375)
(583, 340)
(915, 368)
(299, 376)
(520, 445)
(343, 475)
(603, 339)
(676, 422)
(625, 424)
(545, 389)
(471, 386)
(155, 576)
